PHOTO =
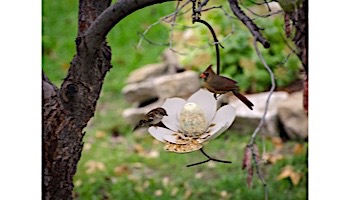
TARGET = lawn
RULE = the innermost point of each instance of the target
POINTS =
(119, 164)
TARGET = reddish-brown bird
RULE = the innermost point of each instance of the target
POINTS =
(219, 85)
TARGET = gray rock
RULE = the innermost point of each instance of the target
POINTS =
(170, 65)
(172, 59)
(293, 118)
(134, 115)
(147, 72)
(247, 120)
(177, 85)
(139, 92)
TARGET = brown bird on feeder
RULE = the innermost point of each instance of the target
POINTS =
(220, 85)
(152, 118)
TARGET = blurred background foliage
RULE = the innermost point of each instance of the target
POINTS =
(119, 164)
(238, 58)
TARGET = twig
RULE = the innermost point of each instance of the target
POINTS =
(267, 4)
(209, 159)
(206, 46)
(213, 7)
(151, 42)
(262, 121)
(262, 16)
(256, 3)
(291, 48)
(254, 29)
(199, 9)
(172, 26)
(160, 20)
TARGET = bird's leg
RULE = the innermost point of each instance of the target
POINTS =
(216, 97)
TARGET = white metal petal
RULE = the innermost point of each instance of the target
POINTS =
(159, 132)
(172, 106)
(222, 121)
(206, 101)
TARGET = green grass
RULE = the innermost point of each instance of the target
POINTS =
(118, 164)
(143, 174)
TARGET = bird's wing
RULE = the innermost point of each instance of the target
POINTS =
(224, 84)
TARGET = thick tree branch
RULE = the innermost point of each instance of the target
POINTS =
(254, 29)
(48, 89)
(66, 111)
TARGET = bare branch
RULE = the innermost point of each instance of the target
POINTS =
(206, 46)
(172, 23)
(254, 29)
(256, 3)
(260, 15)
(149, 41)
(262, 121)
(99, 29)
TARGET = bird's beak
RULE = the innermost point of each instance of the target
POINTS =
(202, 75)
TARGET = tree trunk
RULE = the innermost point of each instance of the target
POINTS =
(67, 110)
(300, 21)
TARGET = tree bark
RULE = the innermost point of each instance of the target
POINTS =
(67, 110)
(300, 21)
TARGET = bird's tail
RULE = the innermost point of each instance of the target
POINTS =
(243, 99)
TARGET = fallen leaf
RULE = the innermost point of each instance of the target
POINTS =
(146, 184)
(165, 181)
(298, 149)
(100, 134)
(295, 178)
(93, 166)
(78, 183)
(158, 193)
(277, 142)
(152, 154)
(137, 165)
(138, 149)
(198, 175)
(87, 146)
(120, 170)
(223, 194)
(272, 158)
(288, 172)
(174, 191)
(187, 194)
(211, 165)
